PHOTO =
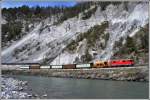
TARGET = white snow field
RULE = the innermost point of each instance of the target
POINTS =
(51, 41)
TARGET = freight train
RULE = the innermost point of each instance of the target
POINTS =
(97, 64)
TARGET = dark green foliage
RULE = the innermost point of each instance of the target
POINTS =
(126, 6)
(30, 13)
(12, 30)
(87, 57)
(91, 36)
(144, 36)
(80, 37)
(72, 46)
(45, 61)
(132, 45)
(16, 51)
(106, 37)
(128, 47)
(25, 10)
(9, 14)
(89, 13)
(35, 14)
(38, 10)
(26, 28)
(129, 42)
(69, 12)
(77, 60)
(136, 47)
(105, 4)
(94, 33)
(118, 43)
(38, 48)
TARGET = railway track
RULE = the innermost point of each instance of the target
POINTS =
(17, 67)
(141, 65)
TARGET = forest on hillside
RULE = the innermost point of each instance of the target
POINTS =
(20, 17)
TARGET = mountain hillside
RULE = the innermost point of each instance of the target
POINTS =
(84, 33)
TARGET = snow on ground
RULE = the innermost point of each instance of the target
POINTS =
(64, 58)
(59, 33)
(121, 24)
(68, 57)
(19, 43)
(54, 38)
(131, 21)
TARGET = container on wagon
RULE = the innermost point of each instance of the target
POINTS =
(69, 66)
(56, 66)
(44, 67)
(34, 66)
(83, 65)
(24, 66)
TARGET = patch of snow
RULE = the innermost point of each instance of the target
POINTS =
(54, 38)
(124, 26)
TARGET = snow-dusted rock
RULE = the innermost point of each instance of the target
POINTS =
(53, 39)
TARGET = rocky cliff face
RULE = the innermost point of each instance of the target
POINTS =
(89, 36)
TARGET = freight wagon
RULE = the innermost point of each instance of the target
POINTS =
(56, 66)
(84, 65)
(45, 67)
(24, 67)
(34, 66)
(69, 66)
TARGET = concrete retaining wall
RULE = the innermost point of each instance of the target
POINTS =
(124, 74)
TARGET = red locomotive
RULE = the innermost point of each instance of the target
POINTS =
(118, 63)
(113, 63)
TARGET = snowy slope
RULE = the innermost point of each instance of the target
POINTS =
(128, 24)
(53, 39)
(121, 24)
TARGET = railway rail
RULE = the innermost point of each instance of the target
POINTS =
(26, 66)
